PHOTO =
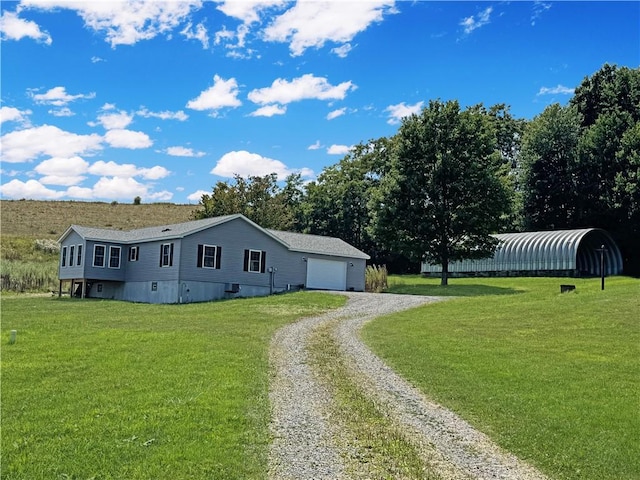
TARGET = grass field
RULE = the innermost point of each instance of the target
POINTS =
(112, 390)
(554, 378)
(50, 219)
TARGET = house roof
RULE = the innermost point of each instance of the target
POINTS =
(297, 242)
(302, 242)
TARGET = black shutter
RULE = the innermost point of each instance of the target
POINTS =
(200, 250)
(161, 254)
(263, 262)
(218, 256)
(171, 256)
(246, 261)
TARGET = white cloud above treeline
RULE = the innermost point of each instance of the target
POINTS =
(245, 164)
(557, 90)
(222, 94)
(399, 111)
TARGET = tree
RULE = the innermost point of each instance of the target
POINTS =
(444, 194)
(337, 202)
(257, 198)
(548, 161)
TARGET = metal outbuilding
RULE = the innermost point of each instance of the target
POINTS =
(572, 253)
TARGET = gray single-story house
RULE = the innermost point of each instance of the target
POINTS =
(566, 253)
(203, 260)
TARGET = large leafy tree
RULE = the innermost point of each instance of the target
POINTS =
(444, 194)
(548, 159)
(337, 202)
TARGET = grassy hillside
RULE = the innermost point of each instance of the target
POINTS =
(50, 219)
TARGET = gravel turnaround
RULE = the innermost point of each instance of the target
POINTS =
(305, 444)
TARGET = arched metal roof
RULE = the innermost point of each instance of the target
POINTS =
(568, 251)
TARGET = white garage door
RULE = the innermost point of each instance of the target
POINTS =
(326, 274)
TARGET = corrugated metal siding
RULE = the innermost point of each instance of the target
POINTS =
(553, 251)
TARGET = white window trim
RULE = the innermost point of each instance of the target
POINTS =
(111, 247)
(72, 254)
(63, 257)
(215, 253)
(103, 256)
(259, 252)
(79, 252)
(168, 264)
(133, 253)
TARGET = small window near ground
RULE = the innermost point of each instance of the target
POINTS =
(98, 255)
(72, 253)
(63, 257)
(133, 254)
(114, 257)
(79, 262)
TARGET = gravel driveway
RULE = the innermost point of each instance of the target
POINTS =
(304, 442)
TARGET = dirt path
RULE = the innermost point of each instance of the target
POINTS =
(305, 444)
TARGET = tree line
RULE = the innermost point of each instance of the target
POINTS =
(450, 177)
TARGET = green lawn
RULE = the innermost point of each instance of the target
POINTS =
(113, 390)
(554, 378)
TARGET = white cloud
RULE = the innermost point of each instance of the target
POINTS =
(223, 93)
(62, 112)
(315, 146)
(125, 22)
(184, 152)
(164, 115)
(58, 96)
(336, 113)
(538, 9)
(473, 22)
(28, 144)
(245, 163)
(306, 87)
(119, 188)
(247, 11)
(197, 195)
(311, 24)
(63, 166)
(65, 181)
(96, 59)
(29, 189)
(154, 173)
(557, 90)
(12, 114)
(401, 110)
(14, 28)
(269, 111)
(200, 33)
(342, 51)
(120, 138)
(113, 121)
(338, 149)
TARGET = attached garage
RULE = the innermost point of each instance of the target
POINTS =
(326, 274)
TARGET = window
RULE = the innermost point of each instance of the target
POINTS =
(79, 262)
(133, 254)
(98, 255)
(63, 257)
(255, 261)
(114, 257)
(72, 253)
(166, 255)
(209, 256)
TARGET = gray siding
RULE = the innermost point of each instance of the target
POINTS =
(147, 267)
(75, 271)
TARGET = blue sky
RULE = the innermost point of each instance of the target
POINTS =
(109, 100)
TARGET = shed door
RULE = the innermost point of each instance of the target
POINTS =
(326, 274)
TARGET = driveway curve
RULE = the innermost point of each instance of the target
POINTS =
(305, 443)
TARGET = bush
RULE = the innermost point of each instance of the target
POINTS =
(375, 278)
